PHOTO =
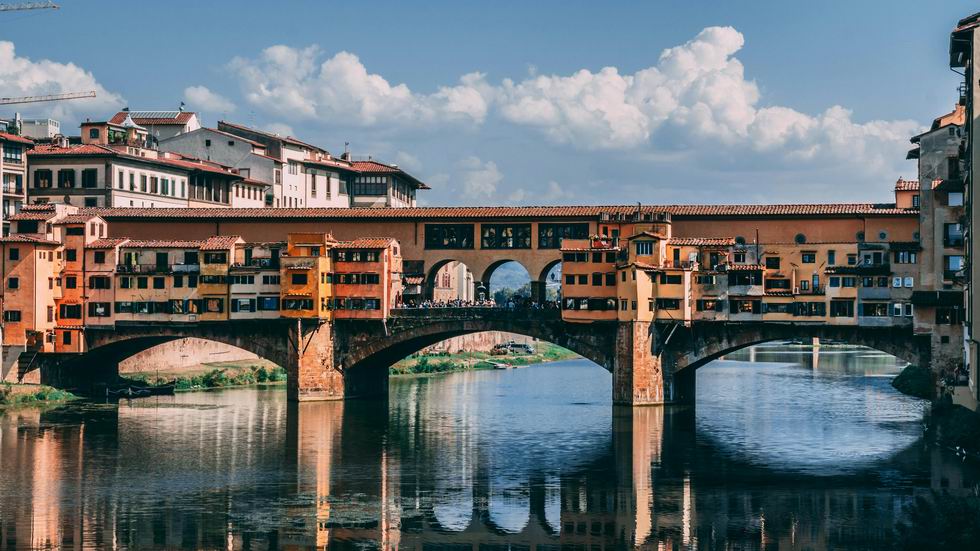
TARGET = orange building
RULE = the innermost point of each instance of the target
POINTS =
(366, 278)
(306, 285)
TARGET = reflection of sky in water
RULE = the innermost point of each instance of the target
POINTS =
(782, 413)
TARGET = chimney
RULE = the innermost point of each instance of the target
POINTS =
(346, 155)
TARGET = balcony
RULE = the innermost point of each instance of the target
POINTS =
(258, 263)
(814, 291)
(10, 189)
(157, 268)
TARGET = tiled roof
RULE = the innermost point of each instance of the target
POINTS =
(74, 219)
(378, 167)
(4, 136)
(28, 215)
(331, 163)
(701, 241)
(42, 207)
(469, 213)
(83, 149)
(413, 280)
(745, 267)
(232, 136)
(906, 185)
(154, 118)
(107, 243)
(957, 116)
(162, 244)
(366, 243)
(287, 139)
(27, 238)
(220, 242)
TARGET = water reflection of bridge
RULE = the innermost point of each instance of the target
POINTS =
(356, 475)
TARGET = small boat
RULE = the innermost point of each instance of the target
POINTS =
(128, 392)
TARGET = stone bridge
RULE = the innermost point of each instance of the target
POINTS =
(651, 363)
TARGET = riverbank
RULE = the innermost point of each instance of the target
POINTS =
(210, 376)
(427, 364)
(19, 395)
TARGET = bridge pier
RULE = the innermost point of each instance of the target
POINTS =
(642, 375)
(310, 368)
(539, 292)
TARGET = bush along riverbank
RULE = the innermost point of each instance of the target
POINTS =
(425, 364)
(915, 381)
(15, 396)
(216, 375)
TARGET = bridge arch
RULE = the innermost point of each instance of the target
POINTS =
(361, 350)
(699, 345)
(267, 339)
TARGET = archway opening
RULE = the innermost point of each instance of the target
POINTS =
(447, 282)
(509, 284)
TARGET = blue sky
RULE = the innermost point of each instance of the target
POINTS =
(565, 102)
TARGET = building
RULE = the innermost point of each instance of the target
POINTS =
(964, 51)
(366, 278)
(40, 129)
(114, 167)
(160, 125)
(298, 174)
(13, 174)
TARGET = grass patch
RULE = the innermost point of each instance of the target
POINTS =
(442, 362)
(29, 395)
(216, 375)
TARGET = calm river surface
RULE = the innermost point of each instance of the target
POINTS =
(785, 450)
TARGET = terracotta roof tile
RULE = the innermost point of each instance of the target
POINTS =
(181, 118)
(701, 241)
(82, 149)
(464, 213)
(4, 136)
(45, 207)
(28, 238)
(162, 244)
(37, 215)
(366, 243)
(107, 243)
(745, 267)
(379, 167)
(74, 219)
(220, 242)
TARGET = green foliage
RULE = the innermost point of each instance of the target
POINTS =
(225, 377)
(43, 395)
(915, 381)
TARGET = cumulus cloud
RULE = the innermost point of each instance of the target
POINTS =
(200, 97)
(21, 76)
(695, 98)
(552, 193)
(280, 128)
(408, 161)
(477, 179)
(294, 83)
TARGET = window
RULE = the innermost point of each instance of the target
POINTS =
(142, 283)
(671, 279)
(952, 264)
(270, 280)
(596, 279)
(908, 282)
(772, 262)
(778, 283)
(70, 311)
(811, 309)
(954, 199)
(745, 306)
(808, 257)
(779, 308)
(71, 282)
(98, 257)
(583, 279)
(739, 257)
(66, 177)
(505, 236)
(831, 257)
(848, 281)
(99, 309)
(125, 283)
(214, 305)
(216, 257)
(569, 279)
(948, 315)
(100, 282)
(42, 178)
(11, 315)
(91, 201)
(299, 279)
(94, 133)
(192, 281)
(874, 309)
(668, 304)
(644, 248)
(842, 308)
(905, 257)
(709, 304)
(551, 235)
(71, 255)
(297, 304)
(268, 303)
(852, 259)
(834, 281)
(212, 279)
(243, 305)
(13, 283)
(449, 236)
(13, 153)
(706, 279)
(159, 283)
(953, 235)
(915, 201)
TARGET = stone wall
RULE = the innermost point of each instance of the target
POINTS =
(183, 354)
(476, 342)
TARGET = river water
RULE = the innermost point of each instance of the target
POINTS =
(786, 449)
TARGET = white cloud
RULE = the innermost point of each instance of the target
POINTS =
(21, 76)
(280, 128)
(552, 193)
(201, 98)
(408, 161)
(293, 84)
(477, 179)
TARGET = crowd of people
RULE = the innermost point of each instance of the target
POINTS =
(513, 303)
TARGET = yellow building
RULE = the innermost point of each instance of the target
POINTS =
(305, 276)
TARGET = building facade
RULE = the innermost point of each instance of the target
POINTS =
(13, 174)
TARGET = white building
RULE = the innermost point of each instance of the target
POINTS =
(160, 125)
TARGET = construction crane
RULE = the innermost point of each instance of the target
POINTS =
(29, 6)
(52, 97)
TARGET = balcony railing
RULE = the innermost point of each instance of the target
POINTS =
(13, 190)
(257, 263)
(157, 268)
(819, 290)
